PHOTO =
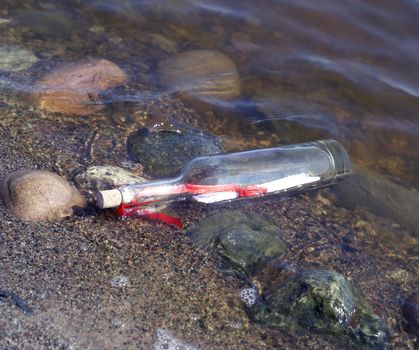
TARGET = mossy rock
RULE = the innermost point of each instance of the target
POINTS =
(245, 241)
(163, 153)
(322, 301)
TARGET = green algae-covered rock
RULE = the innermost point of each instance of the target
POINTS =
(164, 152)
(244, 241)
(323, 301)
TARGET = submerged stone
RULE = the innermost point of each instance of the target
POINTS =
(323, 301)
(244, 241)
(163, 153)
(15, 59)
(380, 196)
(74, 88)
(203, 74)
(49, 23)
(39, 195)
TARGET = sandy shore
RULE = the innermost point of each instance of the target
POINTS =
(62, 278)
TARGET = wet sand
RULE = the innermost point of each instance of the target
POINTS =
(60, 273)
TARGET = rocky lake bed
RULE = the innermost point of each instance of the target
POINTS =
(87, 104)
(63, 271)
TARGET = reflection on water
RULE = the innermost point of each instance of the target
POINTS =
(348, 69)
(342, 69)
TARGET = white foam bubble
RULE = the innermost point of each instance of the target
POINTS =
(249, 295)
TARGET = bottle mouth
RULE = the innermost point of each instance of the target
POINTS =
(338, 155)
(108, 199)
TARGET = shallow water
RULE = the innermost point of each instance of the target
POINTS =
(346, 70)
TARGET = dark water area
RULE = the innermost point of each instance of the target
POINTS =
(306, 70)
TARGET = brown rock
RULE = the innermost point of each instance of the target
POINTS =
(39, 195)
(74, 87)
(203, 74)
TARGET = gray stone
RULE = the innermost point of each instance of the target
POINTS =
(380, 196)
(163, 153)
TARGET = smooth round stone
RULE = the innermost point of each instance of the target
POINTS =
(324, 301)
(39, 195)
(202, 74)
(163, 153)
(105, 177)
(74, 88)
(244, 241)
(15, 59)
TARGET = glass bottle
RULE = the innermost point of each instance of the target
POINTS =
(225, 177)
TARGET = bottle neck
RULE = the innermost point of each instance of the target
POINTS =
(153, 190)
(241, 174)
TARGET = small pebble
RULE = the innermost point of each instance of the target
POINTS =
(120, 281)
(4, 21)
(15, 59)
(39, 195)
(97, 29)
(117, 323)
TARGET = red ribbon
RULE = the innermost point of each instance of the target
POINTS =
(135, 207)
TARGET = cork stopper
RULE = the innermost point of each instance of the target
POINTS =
(108, 199)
